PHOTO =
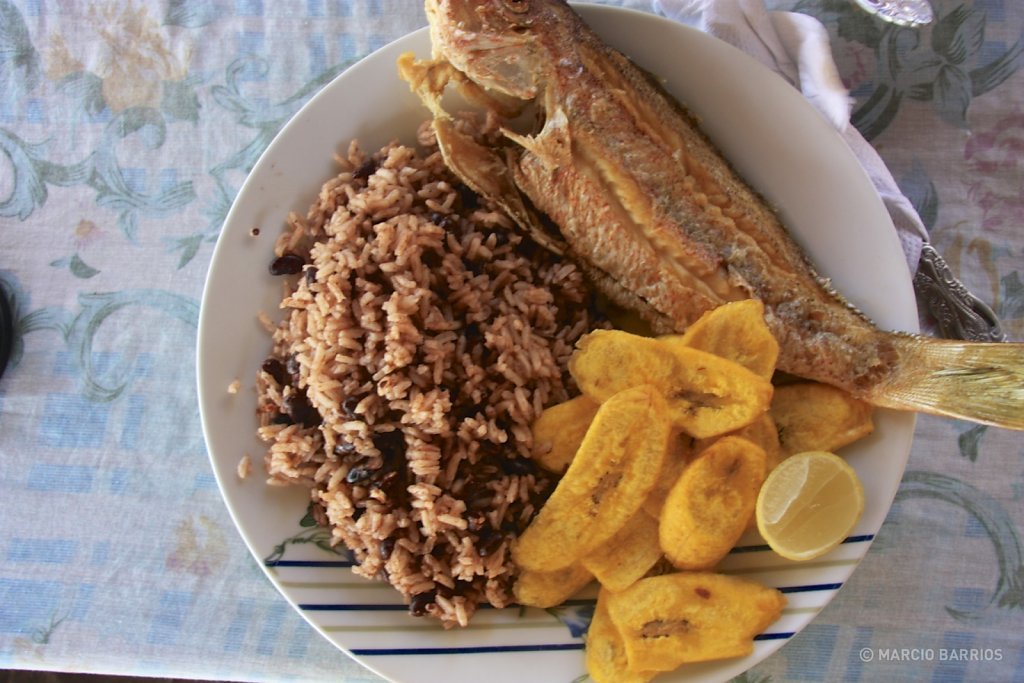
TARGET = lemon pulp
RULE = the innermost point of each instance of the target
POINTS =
(808, 504)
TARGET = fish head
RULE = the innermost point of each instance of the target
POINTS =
(498, 44)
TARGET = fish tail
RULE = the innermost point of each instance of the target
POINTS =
(982, 382)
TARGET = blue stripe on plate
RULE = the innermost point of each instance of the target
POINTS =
(381, 607)
(551, 647)
(309, 563)
(775, 636)
(810, 588)
(859, 539)
(329, 564)
(345, 607)
(764, 548)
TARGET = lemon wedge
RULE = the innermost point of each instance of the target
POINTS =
(808, 504)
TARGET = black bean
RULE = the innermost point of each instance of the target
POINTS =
(292, 366)
(390, 444)
(277, 370)
(529, 249)
(500, 238)
(359, 474)
(480, 500)
(348, 406)
(510, 526)
(503, 423)
(465, 411)
(518, 466)
(432, 259)
(286, 264)
(469, 199)
(365, 170)
(282, 419)
(420, 602)
(489, 542)
(301, 411)
(476, 521)
(490, 452)
(343, 448)
(310, 274)
(387, 546)
(442, 220)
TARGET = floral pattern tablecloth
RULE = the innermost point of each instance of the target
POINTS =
(127, 127)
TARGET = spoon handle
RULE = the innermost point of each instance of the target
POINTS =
(958, 313)
(901, 12)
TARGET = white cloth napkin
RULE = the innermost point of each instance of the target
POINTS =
(797, 47)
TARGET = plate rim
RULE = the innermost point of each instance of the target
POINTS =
(206, 327)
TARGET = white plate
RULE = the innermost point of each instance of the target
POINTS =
(784, 148)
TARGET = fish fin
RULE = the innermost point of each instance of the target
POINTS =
(484, 169)
(981, 382)
(427, 79)
(487, 172)
(552, 145)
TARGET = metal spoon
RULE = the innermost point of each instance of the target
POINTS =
(901, 12)
(958, 313)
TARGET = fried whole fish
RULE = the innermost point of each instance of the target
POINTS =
(649, 208)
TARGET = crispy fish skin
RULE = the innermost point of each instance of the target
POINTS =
(660, 220)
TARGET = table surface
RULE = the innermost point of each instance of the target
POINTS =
(126, 130)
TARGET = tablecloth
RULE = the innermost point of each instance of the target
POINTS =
(127, 127)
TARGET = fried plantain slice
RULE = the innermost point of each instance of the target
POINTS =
(811, 416)
(605, 485)
(674, 619)
(548, 589)
(683, 448)
(711, 504)
(707, 395)
(736, 331)
(559, 431)
(764, 433)
(628, 555)
(606, 651)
